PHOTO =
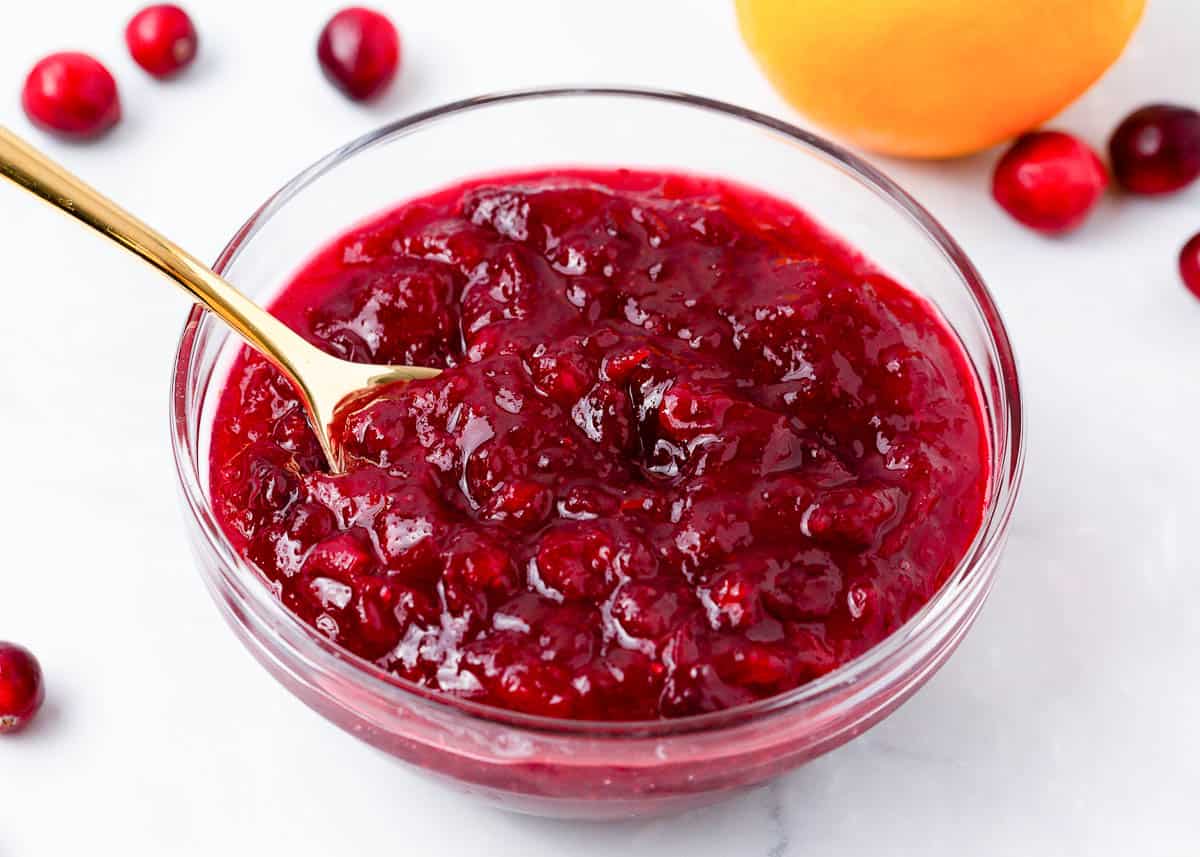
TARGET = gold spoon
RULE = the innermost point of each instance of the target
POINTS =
(323, 381)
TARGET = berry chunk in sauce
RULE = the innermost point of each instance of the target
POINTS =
(689, 450)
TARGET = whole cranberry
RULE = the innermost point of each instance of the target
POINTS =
(21, 690)
(162, 39)
(1156, 149)
(1189, 264)
(71, 94)
(359, 51)
(1049, 181)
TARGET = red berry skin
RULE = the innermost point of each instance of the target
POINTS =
(359, 51)
(1156, 149)
(21, 689)
(162, 39)
(72, 95)
(1049, 181)
(1189, 264)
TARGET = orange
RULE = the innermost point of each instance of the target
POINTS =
(934, 78)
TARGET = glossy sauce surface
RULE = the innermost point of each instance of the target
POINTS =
(689, 450)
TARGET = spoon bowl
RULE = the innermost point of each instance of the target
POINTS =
(322, 380)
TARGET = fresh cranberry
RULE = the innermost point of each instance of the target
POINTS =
(1049, 181)
(359, 51)
(71, 94)
(162, 39)
(21, 690)
(1189, 264)
(1156, 149)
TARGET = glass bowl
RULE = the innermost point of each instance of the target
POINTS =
(573, 768)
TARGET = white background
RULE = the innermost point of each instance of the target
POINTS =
(1068, 722)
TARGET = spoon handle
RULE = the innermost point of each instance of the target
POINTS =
(28, 168)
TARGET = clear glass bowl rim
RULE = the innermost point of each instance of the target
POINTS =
(872, 666)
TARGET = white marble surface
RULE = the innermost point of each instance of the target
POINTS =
(1066, 724)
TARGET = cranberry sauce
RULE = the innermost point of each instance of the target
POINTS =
(689, 450)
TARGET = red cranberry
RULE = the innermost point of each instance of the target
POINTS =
(563, 377)
(374, 614)
(575, 561)
(731, 602)
(581, 502)
(852, 517)
(802, 594)
(341, 555)
(359, 51)
(650, 610)
(570, 636)
(753, 666)
(308, 523)
(777, 509)
(377, 431)
(1049, 181)
(522, 502)
(71, 94)
(1189, 264)
(407, 535)
(537, 688)
(271, 488)
(619, 365)
(21, 690)
(413, 606)
(605, 416)
(482, 565)
(1156, 149)
(687, 412)
(161, 39)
